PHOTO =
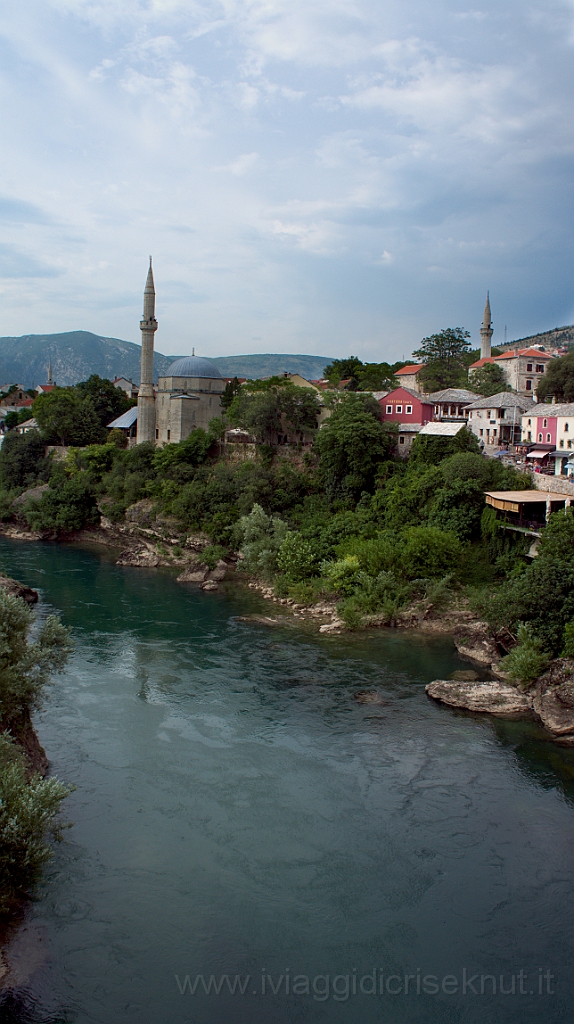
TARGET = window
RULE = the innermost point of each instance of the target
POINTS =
(545, 424)
(561, 442)
(529, 385)
(539, 368)
(530, 435)
(401, 440)
(481, 431)
(501, 414)
(540, 437)
(566, 428)
(389, 408)
(470, 414)
(529, 367)
(529, 423)
(168, 434)
(494, 432)
(399, 408)
(548, 438)
(408, 409)
(157, 435)
(569, 444)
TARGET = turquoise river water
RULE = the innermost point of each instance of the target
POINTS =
(250, 843)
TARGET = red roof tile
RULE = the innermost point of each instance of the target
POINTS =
(413, 368)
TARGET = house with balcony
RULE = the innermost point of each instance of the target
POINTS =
(497, 420)
(451, 404)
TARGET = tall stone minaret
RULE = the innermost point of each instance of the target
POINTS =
(486, 331)
(146, 397)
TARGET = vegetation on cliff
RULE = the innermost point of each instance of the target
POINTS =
(28, 803)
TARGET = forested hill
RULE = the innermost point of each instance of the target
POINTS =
(77, 354)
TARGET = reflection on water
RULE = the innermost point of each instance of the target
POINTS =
(243, 809)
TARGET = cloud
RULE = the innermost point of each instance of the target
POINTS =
(276, 156)
(15, 263)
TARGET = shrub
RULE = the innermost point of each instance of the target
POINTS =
(66, 506)
(296, 558)
(342, 576)
(23, 460)
(428, 551)
(527, 660)
(260, 537)
(25, 667)
(568, 649)
(28, 810)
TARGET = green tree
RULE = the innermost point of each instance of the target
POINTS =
(344, 369)
(444, 358)
(28, 810)
(269, 408)
(107, 400)
(229, 392)
(377, 377)
(66, 506)
(488, 380)
(23, 460)
(352, 444)
(25, 666)
(67, 418)
(429, 450)
(558, 381)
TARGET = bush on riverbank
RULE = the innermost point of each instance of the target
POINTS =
(28, 813)
(28, 805)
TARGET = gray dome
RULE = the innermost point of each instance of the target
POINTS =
(193, 366)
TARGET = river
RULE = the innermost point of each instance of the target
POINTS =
(238, 813)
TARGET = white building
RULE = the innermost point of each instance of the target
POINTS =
(497, 419)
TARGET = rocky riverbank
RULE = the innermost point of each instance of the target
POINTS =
(550, 700)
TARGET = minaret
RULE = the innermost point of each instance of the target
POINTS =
(50, 381)
(146, 397)
(486, 331)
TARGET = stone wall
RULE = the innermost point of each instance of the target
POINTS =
(558, 484)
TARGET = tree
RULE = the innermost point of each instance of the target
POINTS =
(67, 418)
(558, 381)
(344, 369)
(23, 460)
(377, 377)
(229, 392)
(488, 380)
(276, 406)
(108, 401)
(428, 450)
(28, 806)
(66, 506)
(351, 445)
(444, 358)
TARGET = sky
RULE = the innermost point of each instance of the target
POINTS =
(320, 176)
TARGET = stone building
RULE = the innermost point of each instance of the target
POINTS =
(497, 419)
(186, 397)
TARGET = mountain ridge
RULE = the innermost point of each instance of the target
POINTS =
(74, 355)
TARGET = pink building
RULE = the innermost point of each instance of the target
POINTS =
(406, 406)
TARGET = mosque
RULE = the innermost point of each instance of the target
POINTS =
(188, 396)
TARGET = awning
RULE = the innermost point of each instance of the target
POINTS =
(126, 420)
(537, 455)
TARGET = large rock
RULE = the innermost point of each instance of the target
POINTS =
(142, 512)
(474, 642)
(143, 557)
(193, 574)
(18, 590)
(32, 494)
(219, 573)
(554, 697)
(492, 696)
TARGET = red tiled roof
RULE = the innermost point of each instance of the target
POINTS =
(481, 362)
(533, 352)
(413, 368)
(47, 387)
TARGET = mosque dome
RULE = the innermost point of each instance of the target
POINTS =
(192, 366)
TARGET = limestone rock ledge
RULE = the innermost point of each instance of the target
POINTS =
(492, 697)
(550, 699)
